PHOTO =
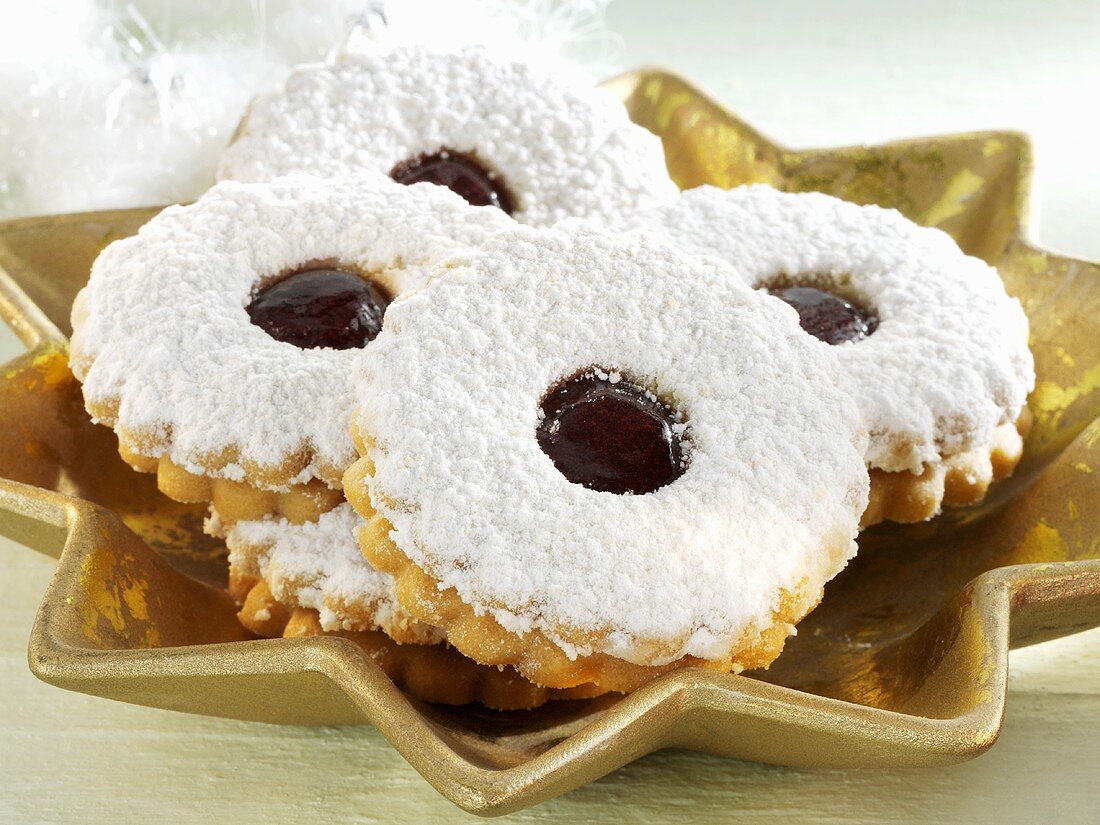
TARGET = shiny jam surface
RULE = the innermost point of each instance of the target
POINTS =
(320, 308)
(610, 435)
(827, 316)
(460, 173)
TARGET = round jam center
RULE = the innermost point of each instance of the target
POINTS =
(613, 437)
(458, 172)
(828, 316)
(320, 308)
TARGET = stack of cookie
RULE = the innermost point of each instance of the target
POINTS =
(466, 381)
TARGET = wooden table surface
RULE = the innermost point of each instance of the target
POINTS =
(809, 73)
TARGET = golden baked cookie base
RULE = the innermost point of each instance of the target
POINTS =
(432, 673)
(358, 615)
(484, 639)
(236, 500)
(957, 481)
(270, 482)
(534, 655)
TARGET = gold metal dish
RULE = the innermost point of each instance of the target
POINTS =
(904, 662)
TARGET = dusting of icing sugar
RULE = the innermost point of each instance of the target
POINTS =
(319, 565)
(562, 149)
(450, 393)
(949, 361)
(161, 326)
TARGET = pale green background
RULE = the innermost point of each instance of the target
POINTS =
(809, 73)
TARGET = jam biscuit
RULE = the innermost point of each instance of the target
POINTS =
(597, 459)
(318, 565)
(933, 349)
(218, 341)
(498, 132)
(310, 580)
(430, 672)
(959, 480)
(236, 500)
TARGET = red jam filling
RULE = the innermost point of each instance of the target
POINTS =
(320, 308)
(614, 437)
(827, 316)
(460, 173)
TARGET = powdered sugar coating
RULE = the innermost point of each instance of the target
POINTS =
(450, 391)
(318, 565)
(162, 335)
(949, 361)
(561, 149)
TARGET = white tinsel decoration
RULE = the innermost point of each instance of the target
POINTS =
(113, 103)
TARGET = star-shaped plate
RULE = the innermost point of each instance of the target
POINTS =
(904, 663)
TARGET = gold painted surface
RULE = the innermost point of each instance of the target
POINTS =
(904, 662)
